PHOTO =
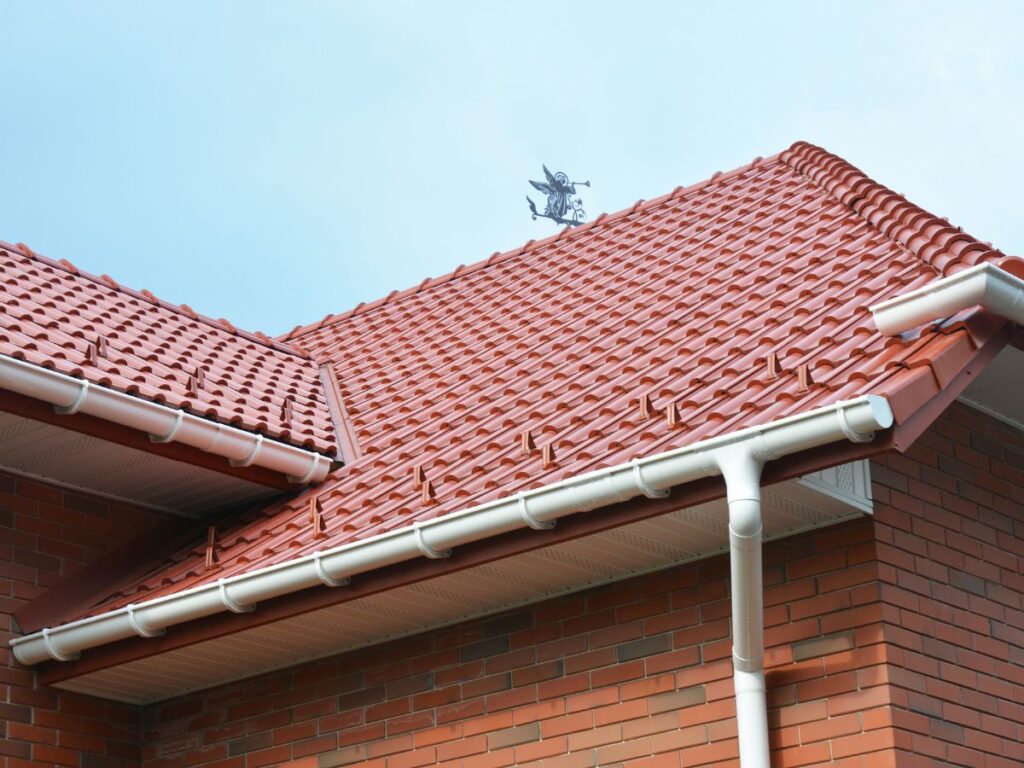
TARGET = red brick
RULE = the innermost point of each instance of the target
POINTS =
(920, 649)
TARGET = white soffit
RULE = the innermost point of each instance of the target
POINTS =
(999, 389)
(81, 462)
(816, 500)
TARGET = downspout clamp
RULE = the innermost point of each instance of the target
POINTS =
(163, 424)
(738, 457)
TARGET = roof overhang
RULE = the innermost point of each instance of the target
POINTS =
(652, 477)
(999, 389)
(669, 538)
(162, 424)
(87, 463)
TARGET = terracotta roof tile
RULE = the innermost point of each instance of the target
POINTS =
(733, 302)
(57, 316)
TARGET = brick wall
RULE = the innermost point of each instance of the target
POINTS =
(47, 534)
(637, 674)
(950, 532)
(893, 640)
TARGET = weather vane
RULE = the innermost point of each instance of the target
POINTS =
(562, 207)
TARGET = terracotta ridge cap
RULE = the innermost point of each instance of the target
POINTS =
(931, 238)
(564, 234)
(107, 282)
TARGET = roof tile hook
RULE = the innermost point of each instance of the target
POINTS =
(211, 540)
(426, 549)
(316, 518)
(547, 455)
(645, 488)
(644, 401)
(530, 519)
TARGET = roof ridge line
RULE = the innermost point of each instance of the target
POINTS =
(603, 219)
(931, 238)
(106, 281)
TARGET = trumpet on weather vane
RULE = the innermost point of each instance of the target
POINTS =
(562, 207)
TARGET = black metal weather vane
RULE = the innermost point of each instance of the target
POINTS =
(562, 206)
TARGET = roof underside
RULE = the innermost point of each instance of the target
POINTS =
(679, 536)
(72, 459)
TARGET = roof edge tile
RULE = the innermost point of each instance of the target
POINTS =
(929, 237)
(107, 282)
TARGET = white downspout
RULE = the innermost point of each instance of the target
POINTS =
(742, 472)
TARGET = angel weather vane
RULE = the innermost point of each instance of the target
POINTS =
(562, 207)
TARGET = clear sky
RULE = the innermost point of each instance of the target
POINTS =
(273, 162)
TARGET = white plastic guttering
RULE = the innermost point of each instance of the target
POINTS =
(162, 423)
(540, 508)
(984, 285)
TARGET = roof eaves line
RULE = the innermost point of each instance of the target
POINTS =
(856, 420)
(566, 233)
(163, 424)
(25, 252)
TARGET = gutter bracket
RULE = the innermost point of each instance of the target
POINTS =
(529, 519)
(850, 433)
(426, 549)
(309, 472)
(67, 410)
(50, 649)
(230, 604)
(324, 576)
(257, 445)
(172, 432)
(647, 490)
(137, 627)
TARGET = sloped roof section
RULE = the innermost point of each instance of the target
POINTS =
(89, 327)
(727, 304)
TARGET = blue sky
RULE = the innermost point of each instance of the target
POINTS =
(273, 162)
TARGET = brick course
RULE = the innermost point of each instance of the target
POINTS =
(950, 531)
(896, 639)
(46, 535)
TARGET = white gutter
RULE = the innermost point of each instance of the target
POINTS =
(738, 457)
(163, 424)
(984, 285)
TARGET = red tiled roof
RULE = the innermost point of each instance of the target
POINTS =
(734, 302)
(94, 329)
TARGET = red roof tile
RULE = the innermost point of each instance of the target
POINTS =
(730, 303)
(94, 329)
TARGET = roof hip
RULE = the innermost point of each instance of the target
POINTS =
(932, 239)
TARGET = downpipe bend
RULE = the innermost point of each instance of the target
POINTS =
(741, 469)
